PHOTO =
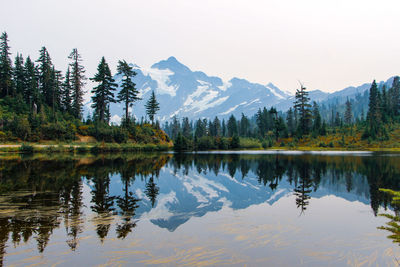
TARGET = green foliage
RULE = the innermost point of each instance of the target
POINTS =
(152, 106)
(128, 93)
(235, 142)
(181, 143)
(26, 148)
(393, 225)
(103, 93)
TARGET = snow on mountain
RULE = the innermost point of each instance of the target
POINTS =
(182, 92)
(194, 94)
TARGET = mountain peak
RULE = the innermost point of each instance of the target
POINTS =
(172, 64)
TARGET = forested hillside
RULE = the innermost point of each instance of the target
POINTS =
(343, 126)
(39, 102)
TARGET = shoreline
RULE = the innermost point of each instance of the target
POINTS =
(126, 147)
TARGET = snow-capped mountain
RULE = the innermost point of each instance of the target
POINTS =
(183, 196)
(186, 93)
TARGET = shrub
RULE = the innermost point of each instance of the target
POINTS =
(26, 148)
(2, 136)
(121, 135)
(235, 142)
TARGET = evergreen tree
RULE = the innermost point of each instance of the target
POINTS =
(348, 116)
(152, 106)
(67, 92)
(317, 118)
(244, 126)
(261, 123)
(5, 67)
(337, 119)
(56, 78)
(19, 75)
(384, 105)
(223, 126)
(186, 128)
(232, 126)
(78, 79)
(103, 92)
(200, 129)
(175, 127)
(217, 126)
(302, 106)
(374, 114)
(394, 97)
(290, 121)
(45, 76)
(128, 93)
(31, 89)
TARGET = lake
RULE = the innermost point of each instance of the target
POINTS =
(205, 209)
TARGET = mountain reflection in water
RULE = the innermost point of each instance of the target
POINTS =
(41, 195)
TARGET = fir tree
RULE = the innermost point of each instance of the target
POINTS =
(394, 97)
(56, 78)
(152, 106)
(316, 118)
(45, 76)
(348, 116)
(78, 79)
(19, 75)
(374, 114)
(186, 128)
(232, 126)
(31, 91)
(244, 126)
(302, 106)
(217, 126)
(103, 92)
(67, 92)
(5, 67)
(128, 93)
(290, 121)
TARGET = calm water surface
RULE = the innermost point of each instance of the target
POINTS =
(210, 209)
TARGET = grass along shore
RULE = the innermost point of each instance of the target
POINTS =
(47, 147)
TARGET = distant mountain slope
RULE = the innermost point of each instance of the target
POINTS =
(194, 94)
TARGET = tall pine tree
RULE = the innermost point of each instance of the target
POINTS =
(374, 113)
(128, 93)
(45, 76)
(31, 92)
(152, 106)
(19, 75)
(303, 106)
(78, 79)
(67, 93)
(103, 93)
(5, 67)
(348, 116)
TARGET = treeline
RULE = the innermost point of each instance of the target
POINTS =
(37, 101)
(270, 127)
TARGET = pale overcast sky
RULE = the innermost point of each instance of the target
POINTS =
(327, 44)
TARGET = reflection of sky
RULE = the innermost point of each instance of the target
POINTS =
(184, 196)
(208, 220)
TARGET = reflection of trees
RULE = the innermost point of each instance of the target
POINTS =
(333, 170)
(102, 202)
(52, 188)
(39, 192)
(303, 188)
(127, 203)
(152, 190)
